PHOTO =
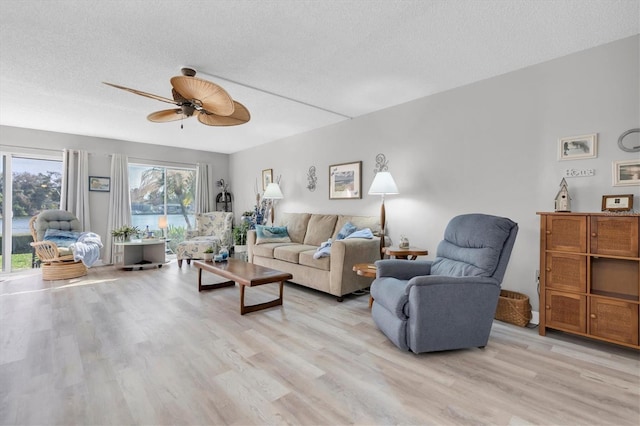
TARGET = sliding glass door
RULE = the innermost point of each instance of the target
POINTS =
(29, 184)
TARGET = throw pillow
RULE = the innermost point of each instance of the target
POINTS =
(346, 230)
(61, 238)
(272, 234)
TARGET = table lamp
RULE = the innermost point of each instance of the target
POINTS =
(162, 224)
(272, 193)
(383, 184)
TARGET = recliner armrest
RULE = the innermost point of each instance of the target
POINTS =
(403, 269)
(427, 280)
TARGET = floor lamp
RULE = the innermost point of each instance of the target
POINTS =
(382, 185)
(272, 193)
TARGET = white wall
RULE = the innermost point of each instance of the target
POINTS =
(13, 139)
(488, 147)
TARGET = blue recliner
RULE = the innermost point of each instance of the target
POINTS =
(448, 303)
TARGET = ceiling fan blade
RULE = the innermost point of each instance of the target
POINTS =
(212, 97)
(166, 115)
(141, 93)
(240, 116)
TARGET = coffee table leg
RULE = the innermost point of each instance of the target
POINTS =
(257, 307)
(212, 286)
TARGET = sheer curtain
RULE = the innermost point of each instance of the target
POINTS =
(204, 202)
(74, 196)
(119, 201)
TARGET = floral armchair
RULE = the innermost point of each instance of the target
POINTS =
(213, 230)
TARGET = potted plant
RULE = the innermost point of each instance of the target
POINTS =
(240, 237)
(208, 254)
(124, 232)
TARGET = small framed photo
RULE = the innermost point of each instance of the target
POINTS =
(617, 203)
(344, 181)
(99, 183)
(267, 178)
(626, 173)
(578, 147)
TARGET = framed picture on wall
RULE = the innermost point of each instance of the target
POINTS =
(267, 178)
(99, 183)
(626, 173)
(344, 181)
(578, 147)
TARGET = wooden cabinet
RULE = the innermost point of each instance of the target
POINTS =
(590, 275)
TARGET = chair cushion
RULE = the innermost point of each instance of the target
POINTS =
(61, 238)
(56, 219)
(472, 246)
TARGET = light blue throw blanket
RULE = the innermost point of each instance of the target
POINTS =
(87, 248)
(325, 248)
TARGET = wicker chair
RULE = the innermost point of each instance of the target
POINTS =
(57, 262)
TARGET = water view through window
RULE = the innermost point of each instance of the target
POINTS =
(157, 191)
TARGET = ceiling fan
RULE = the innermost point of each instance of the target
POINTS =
(209, 102)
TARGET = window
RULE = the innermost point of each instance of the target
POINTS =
(157, 191)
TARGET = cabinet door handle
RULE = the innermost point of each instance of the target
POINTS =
(548, 232)
(548, 269)
(548, 307)
(594, 234)
(593, 316)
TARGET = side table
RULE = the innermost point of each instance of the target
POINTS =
(366, 270)
(410, 253)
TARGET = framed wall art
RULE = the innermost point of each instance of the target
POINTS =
(267, 178)
(344, 181)
(617, 203)
(626, 173)
(99, 183)
(578, 147)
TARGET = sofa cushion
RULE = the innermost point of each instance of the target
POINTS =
(321, 227)
(266, 250)
(371, 222)
(296, 224)
(306, 259)
(272, 234)
(291, 253)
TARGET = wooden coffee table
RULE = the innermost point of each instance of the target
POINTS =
(246, 275)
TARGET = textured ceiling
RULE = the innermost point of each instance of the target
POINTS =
(296, 65)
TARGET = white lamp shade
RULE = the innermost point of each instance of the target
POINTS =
(273, 192)
(382, 184)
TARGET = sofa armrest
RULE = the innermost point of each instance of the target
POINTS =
(251, 241)
(345, 254)
(191, 233)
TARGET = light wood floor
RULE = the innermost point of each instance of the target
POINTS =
(144, 347)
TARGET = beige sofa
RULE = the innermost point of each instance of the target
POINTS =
(333, 274)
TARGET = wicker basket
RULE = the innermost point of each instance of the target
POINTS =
(514, 308)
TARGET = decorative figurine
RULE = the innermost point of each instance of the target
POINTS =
(563, 200)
